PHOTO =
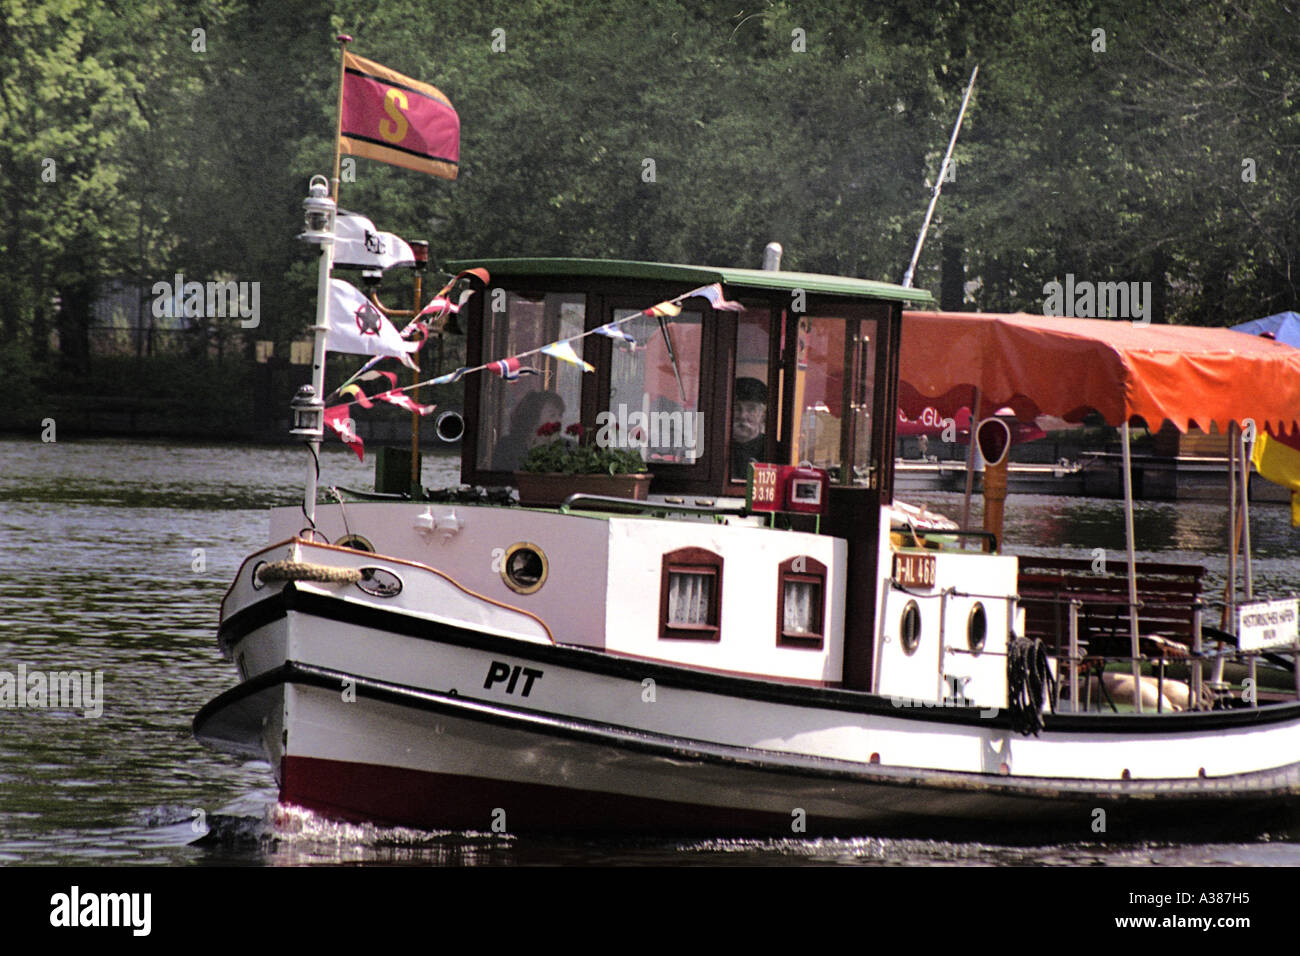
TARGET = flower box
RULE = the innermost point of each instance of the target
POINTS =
(549, 489)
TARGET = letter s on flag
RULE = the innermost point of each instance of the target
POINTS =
(394, 130)
(393, 118)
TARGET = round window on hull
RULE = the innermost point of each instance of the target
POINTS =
(909, 628)
(524, 567)
(977, 628)
(355, 542)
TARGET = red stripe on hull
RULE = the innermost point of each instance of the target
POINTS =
(394, 796)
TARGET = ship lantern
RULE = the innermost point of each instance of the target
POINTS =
(308, 415)
(319, 212)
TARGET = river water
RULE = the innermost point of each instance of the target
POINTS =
(115, 557)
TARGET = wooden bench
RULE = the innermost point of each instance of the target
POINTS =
(1167, 597)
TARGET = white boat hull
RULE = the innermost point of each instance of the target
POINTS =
(397, 755)
(372, 713)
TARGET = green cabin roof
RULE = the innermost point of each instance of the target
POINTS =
(696, 275)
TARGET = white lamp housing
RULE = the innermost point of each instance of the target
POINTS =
(319, 211)
(308, 415)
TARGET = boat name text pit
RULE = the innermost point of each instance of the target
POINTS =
(500, 670)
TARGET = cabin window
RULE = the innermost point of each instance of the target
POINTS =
(801, 603)
(752, 400)
(834, 391)
(654, 402)
(690, 595)
(512, 412)
(819, 392)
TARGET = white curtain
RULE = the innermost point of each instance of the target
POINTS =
(689, 597)
(799, 597)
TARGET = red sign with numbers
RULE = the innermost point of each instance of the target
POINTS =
(787, 488)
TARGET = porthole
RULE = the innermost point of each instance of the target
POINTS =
(977, 628)
(355, 542)
(909, 628)
(524, 567)
(380, 582)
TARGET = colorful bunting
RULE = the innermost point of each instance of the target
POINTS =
(668, 309)
(369, 376)
(509, 368)
(614, 330)
(361, 399)
(450, 377)
(439, 304)
(402, 400)
(563, 351)
(714, 294)
(338, 419)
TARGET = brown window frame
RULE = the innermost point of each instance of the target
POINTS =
(691, 561)
(777, 449)
(707, 477)
(814, 573)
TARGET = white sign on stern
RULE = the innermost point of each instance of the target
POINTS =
(1267, 624)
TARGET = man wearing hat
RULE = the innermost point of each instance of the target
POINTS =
(748, 420)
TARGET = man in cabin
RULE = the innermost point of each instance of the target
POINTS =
(748, 420)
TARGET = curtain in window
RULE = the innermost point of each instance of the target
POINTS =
(689, 597)
(799, 616)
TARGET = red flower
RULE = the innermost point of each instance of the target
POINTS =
(574, 429)
(550, 428)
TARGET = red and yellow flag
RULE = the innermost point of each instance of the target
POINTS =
(1277, 458)
(397, 120)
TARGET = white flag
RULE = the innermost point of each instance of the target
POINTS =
(358, 243)
(358, 328)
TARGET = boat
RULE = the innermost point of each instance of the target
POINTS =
(768, 643)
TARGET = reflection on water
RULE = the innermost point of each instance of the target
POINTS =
(115, 558)
(1182, 532)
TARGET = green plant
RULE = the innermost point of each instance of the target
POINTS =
(574, 456)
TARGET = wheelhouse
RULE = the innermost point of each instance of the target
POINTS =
(817, 355)
(806, 375)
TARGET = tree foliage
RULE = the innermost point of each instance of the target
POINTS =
(182, 135)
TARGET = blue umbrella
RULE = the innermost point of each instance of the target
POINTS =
(1284, 327)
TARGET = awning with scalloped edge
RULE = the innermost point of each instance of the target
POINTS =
(1043, 365)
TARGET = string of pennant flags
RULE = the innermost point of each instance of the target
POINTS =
(510, 368)
(562, 349)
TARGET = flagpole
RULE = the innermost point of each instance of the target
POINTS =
(415, 391)
(344, 40)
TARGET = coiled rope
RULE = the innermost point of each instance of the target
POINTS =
(1029, 681)
(303, 571)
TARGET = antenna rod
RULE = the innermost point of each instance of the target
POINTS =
(938, 186)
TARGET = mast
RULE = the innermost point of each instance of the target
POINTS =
(938, 185)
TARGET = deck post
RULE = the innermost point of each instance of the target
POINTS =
(1247, 571)
(1230, 591)
(1196, 676)
(1074, 655)
(1296, 669)
(1230, 598)
(970, 464)
(1135, 647)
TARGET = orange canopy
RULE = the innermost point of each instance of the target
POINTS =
(1041, 365)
